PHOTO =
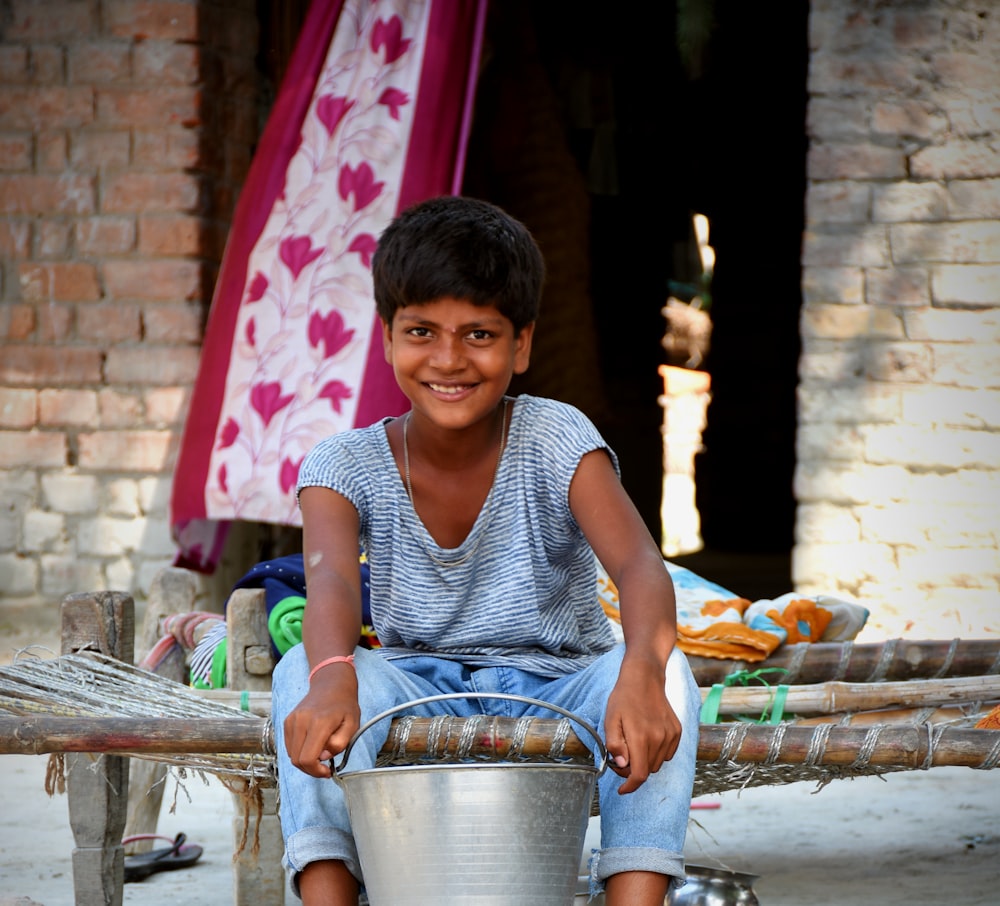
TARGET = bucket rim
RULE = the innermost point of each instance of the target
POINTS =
(471, 765)
(600, 762)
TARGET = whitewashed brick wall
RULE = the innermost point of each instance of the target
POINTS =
(898, 477)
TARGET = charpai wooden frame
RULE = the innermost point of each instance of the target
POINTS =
(98, 632)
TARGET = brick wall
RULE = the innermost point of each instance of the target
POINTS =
(126, 129)
(125, 132)
(898, 477)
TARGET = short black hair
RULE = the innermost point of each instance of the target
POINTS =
(463, 248)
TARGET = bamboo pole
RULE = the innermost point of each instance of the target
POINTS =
(163, 736)
(908, 747)
(821, 698)
(893, 659)
(905, 747)
(258, 703)
(128, 735)
(833, 697)
(495, 736)
(955, 715)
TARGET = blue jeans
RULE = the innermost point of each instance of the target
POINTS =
(641, 831)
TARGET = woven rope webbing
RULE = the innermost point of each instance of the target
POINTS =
(74, 686)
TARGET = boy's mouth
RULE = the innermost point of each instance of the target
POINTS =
(450, 389)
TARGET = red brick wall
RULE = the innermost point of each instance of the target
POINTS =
(126, 129)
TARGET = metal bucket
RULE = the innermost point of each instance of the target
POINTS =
(481, 833)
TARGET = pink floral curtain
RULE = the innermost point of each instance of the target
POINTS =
(373, 115)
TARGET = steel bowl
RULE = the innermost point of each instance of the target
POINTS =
(714, 887)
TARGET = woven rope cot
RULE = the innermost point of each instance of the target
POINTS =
(114, 732)
(95, 703)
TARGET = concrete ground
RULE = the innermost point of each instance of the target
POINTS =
(914, 838)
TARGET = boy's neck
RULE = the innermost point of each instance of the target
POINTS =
(456, 449)
(449, 493)
(453, 449)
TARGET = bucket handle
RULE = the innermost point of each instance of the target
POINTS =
(600, 765)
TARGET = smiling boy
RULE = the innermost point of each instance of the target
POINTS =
(480, 516)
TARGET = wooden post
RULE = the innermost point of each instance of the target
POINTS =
(97, 785)
(173, 591)
(258, 878)
(249, 659)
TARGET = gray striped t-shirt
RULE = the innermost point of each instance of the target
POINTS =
(520, 590)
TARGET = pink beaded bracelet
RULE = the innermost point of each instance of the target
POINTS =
(338, 659)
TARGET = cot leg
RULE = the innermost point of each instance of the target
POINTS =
(258, 880)
(174, 590)
(97, 785)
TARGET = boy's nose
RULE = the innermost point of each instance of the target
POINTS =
(448, 354)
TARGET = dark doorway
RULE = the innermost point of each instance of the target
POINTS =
(651, 138)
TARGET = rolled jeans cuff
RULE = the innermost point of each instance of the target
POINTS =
(319, 844)
(608, 862)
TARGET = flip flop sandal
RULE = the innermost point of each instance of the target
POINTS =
(178, 855)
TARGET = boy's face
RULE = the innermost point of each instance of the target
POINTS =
(455, 360)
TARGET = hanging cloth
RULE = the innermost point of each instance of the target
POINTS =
(372, 116)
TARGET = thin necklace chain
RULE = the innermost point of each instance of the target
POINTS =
(409, 486)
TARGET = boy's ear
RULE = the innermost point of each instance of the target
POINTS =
(386, 340)
(522, 348)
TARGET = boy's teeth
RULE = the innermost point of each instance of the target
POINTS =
(440, 389)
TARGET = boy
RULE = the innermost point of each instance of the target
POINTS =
(480, 516)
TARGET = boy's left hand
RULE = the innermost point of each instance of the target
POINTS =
(641, 729)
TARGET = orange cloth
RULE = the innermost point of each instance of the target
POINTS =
(724, 639)
(991, 721)
(802, 613)
(713, 622)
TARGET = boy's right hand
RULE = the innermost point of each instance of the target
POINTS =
(322, 724)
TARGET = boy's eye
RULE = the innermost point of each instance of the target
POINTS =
(480, 334)
(418, 331)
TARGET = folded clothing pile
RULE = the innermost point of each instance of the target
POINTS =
(713, 621)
